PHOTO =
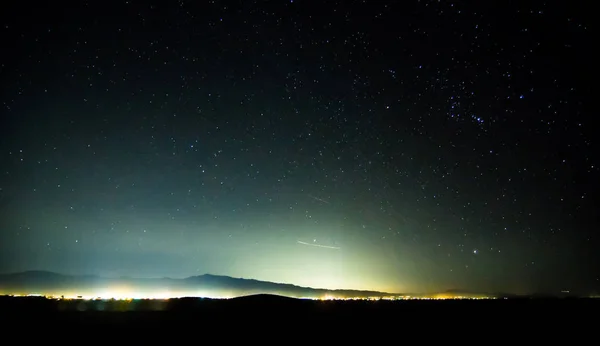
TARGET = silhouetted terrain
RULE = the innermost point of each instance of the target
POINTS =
(48, 283)
(212, 286)
(280, 318)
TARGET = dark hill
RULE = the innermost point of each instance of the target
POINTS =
(49, 283)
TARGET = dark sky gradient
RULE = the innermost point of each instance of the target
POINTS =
(423, 145)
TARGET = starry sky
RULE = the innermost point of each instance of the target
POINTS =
(406, 146)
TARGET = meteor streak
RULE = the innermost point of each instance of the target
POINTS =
(318, 199)
(317, 245)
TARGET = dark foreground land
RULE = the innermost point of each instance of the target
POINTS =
(263, 313)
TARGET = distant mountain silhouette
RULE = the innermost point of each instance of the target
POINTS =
(49, 283)
(207, 285)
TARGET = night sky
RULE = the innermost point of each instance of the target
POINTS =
(405, 146)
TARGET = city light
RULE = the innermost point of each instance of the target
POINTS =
(124, 295)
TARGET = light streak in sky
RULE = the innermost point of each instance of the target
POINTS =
(318, 199)
(321, 246)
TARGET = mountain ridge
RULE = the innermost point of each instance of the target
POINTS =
(47, 282)
(204, 285)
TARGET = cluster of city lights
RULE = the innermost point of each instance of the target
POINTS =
(168, 295)
(119, 296)
(408, 298)
(127, 295)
